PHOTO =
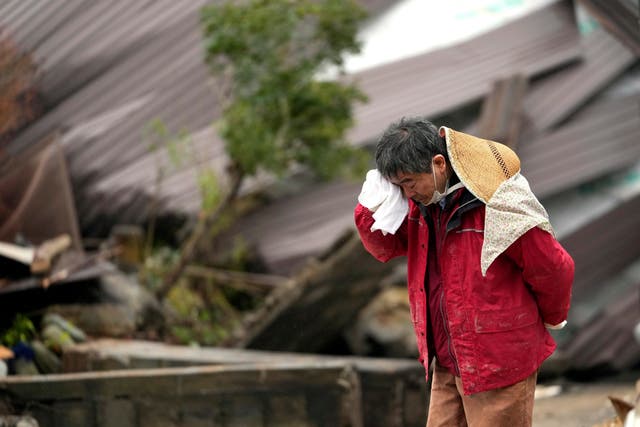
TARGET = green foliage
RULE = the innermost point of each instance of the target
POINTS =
(203, 318)
(22, 330)
(209, 189)
(280, 114)
(178, 146)
(156, 265)
(180, 153)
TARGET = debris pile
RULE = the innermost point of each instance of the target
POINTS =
(27, 351)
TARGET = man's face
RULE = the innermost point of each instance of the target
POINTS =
(416, 186)
(421, 186)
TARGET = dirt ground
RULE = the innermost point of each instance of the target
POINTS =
(580, 404)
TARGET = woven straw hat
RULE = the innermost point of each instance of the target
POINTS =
(482, 165)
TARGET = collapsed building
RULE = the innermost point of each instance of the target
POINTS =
(563, 92)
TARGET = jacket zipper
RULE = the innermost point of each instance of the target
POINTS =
(443, 312)
(446, 330)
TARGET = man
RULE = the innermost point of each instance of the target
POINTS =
(486, 276)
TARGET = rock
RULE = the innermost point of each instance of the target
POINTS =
(24, 367)
(384, 327)
(55, 319)
(23, 362)
(103, 319)
(46, 361)
(123, 307)
(27, 421)
(18, 421)
(56, 339)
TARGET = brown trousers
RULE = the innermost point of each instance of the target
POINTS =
(510, 406)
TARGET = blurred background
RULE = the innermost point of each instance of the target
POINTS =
(177, 184)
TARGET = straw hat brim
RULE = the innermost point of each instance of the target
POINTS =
(482, 165)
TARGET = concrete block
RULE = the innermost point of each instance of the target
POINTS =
(116, 413)
(287, 411)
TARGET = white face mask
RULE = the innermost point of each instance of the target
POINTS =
(438, 196)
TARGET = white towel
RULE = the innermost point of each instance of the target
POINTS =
(385, 200)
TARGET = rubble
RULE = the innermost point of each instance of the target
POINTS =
(627, 413)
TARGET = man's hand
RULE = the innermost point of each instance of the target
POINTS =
(385, 200)
(558, 326)
(373, 192)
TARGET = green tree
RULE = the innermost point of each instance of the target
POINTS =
(277, 114)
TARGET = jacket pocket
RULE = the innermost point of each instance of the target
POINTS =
(488, 321)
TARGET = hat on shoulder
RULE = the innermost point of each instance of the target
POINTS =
(491, 172)
(482, 165)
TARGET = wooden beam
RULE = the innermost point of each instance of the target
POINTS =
(309, 311)
(501, 115)
(251, 282)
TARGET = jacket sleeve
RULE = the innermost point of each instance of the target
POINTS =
(548, 269)
(382, 247)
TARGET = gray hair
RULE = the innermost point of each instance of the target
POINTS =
(408, 146)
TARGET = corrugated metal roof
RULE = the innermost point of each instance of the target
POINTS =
(440, 81)
(137, 63)
(551, 100)
(607, 340)
(620, 17)
(134, 63)
(602, 248)
(602, 141)
(144, 60)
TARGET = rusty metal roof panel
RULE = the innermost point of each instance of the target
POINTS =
(140, 62)
(620, 17)
(551, 100)
(437, 82)
(600, 142)
(607, 340)
(605, 246)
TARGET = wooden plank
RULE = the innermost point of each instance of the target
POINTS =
(174, 381)
(18, 253)
(312, 309)
(392, 392)
(236, 396)
(501, 115)
(47, 251)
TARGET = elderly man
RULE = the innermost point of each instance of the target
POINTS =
(486, 276)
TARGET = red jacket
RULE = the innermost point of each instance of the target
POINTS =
(496, 322)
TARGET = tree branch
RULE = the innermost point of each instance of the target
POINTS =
(188, 249)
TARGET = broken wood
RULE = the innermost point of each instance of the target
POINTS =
(17, 253)
(250, 282)
(48, 251)
(501, 115)
(621, 407)
(129, 239)
(312, 309)
(39, 259)
(188, 249)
